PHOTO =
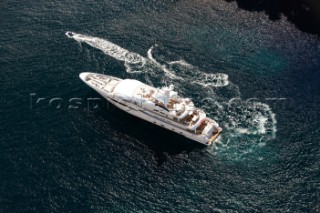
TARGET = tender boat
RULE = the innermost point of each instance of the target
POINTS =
(160, 106)
(70, 34)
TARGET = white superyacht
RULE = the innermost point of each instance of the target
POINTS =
(161, 106)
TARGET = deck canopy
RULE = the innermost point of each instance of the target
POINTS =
(126, 88)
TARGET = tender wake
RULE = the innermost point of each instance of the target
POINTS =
(244, 123)
(111, 49)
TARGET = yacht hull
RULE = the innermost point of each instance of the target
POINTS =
(139, 112)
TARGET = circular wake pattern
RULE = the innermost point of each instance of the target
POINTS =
(253, 118)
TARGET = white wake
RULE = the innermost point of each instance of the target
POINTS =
(110, 49)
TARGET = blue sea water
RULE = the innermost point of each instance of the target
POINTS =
(64, 149)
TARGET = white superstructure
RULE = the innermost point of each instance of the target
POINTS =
(161, 106)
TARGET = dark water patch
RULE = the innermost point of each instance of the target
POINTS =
(303, 13)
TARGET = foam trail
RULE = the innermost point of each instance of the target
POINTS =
(133, 62)
(149, 53)
(109, 48)
(198, 77)
(168, 72)
(215, 80)
(182, 62)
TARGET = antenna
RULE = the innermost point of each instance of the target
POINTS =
(165, 83)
